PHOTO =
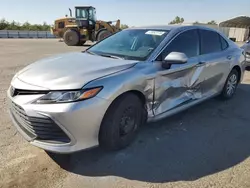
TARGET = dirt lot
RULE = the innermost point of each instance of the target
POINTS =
(205, 146)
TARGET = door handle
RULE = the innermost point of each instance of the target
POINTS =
(229, 57)
(201, 63)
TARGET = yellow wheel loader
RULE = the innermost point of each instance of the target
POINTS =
(77, 30)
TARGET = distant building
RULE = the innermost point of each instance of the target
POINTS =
(237, 29)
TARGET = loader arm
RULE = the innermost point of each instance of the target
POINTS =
(106, 25)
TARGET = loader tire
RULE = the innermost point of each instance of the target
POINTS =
(103, 34)
(71, 38)
(82, 43)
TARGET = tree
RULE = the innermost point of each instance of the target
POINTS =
(13, 26)
(197, 22)
(177, 20)
(212, 22)
(26, 26)
(124, 26)
(45, 26)
(3, 24)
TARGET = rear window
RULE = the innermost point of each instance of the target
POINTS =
(210, 42)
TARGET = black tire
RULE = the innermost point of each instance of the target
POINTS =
(102, 34)
(114, 135)
(83, 42)
(71, 38)
(234, 75)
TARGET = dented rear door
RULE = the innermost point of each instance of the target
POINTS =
(217, 59)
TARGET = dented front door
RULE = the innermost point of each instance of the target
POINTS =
(179, 85)
(182, 82)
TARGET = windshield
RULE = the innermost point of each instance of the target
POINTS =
(81, 13)
(133, 44)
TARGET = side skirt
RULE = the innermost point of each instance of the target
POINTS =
(179, 108)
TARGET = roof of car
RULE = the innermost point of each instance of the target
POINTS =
(84, 6)
(173, 27)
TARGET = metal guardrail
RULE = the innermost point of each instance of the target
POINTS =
(25, 34)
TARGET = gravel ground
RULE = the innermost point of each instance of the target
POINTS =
(205, 146)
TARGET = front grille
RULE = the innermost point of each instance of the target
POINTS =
(42, 129)
(15, 92)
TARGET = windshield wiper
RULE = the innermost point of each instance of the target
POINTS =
(111, 56)
(104, 55)
(92, 53)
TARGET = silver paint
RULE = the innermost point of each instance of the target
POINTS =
(246, 48)
(165, 91)
(176, 57)
(70, 71)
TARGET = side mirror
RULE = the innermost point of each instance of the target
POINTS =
(174, 58)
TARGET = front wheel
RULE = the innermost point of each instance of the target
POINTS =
(121, 122)
(103, 34)
(71, 38)
(230, 85)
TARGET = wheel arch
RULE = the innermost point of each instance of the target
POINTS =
(238, 69)
(137, 93)
(72, 28)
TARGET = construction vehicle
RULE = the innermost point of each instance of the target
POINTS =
(77, 30)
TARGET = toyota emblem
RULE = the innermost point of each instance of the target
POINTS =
(12, 91)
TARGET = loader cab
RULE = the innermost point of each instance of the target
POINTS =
(85, 16)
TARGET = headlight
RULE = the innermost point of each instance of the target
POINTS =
(68, 96)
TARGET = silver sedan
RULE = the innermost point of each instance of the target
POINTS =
(246, 47)
(103, 95)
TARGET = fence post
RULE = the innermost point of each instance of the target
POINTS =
(37, 34)
(46, 35)
(8, 36)
(18, 34)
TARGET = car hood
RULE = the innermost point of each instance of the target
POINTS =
(70, 71)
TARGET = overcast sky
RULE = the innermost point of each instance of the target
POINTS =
(131, 12)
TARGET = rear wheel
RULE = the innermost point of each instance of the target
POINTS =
(71, 38)
(121, 122)
(103, 34)
(230, 85)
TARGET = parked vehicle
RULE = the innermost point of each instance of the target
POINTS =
(77, 30)
(246, 47)
(102, 96)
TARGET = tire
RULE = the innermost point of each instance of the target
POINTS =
(231, 82)
(121, 122)
(82, 42)
(102, 34)
(71, 38)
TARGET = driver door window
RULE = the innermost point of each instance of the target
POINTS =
(187, 42)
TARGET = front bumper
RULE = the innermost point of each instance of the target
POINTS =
(79, 121)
